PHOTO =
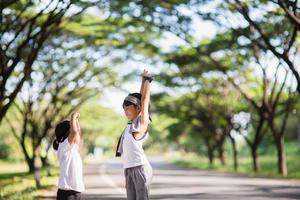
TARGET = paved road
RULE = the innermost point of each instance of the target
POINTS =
(106, 182)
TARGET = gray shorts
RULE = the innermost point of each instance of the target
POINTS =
(137, 183)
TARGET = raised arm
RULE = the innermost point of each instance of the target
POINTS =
(145, 101)
(74, 136)
(142, 83)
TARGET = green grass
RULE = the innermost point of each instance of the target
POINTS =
(21, 185)
(268, 163)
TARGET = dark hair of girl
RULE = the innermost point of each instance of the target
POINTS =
(61, 133)
(128, 103)
(138, 96)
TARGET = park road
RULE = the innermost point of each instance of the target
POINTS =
(106, 182)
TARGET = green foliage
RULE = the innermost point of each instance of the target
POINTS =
(21, 185)
(199, 116)
(9, 145)
(268, 162)
(101, 126)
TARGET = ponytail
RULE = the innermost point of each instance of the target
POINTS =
(55, 144)
(61, 133)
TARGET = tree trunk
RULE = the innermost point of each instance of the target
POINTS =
(235, 161)
(30, 164)
(255, 160)
(281, 157)
(298, 135)
(256, 142)
(29, 161)
(37, 168)
(221, 155)
(210, 157)
(46, 164)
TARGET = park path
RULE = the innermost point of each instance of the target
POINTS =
(105, 181)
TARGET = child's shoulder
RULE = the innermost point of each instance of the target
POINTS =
(66, 145)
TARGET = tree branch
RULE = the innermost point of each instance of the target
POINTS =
(291, 15)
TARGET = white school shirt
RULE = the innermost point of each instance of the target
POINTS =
(70, 162)
(132, 150)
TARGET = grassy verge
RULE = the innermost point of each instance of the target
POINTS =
(21, 185)
(268, 164)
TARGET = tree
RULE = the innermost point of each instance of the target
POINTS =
(265, 95)
(291, 9)
(202, 118)
(273, 105)
(25, 26)
(54, 91)
(275, 29)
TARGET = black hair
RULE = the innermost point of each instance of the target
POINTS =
(128, 103)
(61, 133)
(138, 96)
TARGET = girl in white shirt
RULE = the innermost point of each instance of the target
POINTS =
(137, 169)
(68, 136)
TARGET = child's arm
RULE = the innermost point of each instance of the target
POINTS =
(144, 108)
(142, 84)
(74, 136)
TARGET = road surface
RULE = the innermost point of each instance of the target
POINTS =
(106, 182)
